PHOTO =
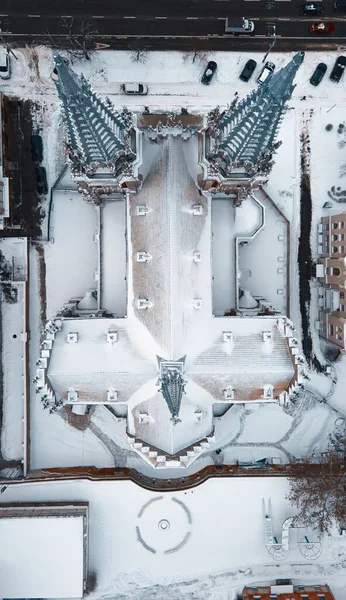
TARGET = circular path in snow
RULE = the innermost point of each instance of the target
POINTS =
(164, 525)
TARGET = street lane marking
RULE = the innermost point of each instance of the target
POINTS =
(34, 16)
(192, 18)
(161, 17)
(98, 16)
(129, 17)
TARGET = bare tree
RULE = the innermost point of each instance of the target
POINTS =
(78, 35)
(318, 488)
(138, 52)
(195, 55)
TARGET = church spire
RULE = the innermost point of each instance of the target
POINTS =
(172, 385)
(244, 134)
(97, 134)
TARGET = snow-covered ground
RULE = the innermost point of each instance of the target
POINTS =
(213, 542)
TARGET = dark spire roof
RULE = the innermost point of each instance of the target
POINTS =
(97, 133)
(172, 385)
(247, 132)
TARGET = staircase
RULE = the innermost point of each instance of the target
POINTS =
(159, 460)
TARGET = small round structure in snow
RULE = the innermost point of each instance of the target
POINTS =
(164, 524)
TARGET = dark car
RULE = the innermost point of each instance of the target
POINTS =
(340, 5)
(248, 70)
(312, 8)
(209, 72)
(338, 69)
(41, 180)
(36, 148)
(318, 74)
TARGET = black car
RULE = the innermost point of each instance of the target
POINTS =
(248, 70)
(41, 180)
(36, 148)
(338, 69)
(312, 9)
(318, 74)
(209, 72)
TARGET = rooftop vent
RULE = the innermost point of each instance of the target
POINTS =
(112, 336)
(197, 209)
(197, 256)
(268, 391)
(72, 337)
(142, 210)
(227, 336)
(197, 303)
(143, 303)
(143, 256)
(112, 395)
(266, 336)
(228, 393)
(72, 395)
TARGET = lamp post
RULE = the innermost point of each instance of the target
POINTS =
(271, 46)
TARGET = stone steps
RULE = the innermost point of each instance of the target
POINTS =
(159, 460)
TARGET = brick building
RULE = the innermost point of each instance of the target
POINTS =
(284, 590)
(331, 273)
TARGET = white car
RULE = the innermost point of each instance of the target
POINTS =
(5, 66)
(139, 89)
(267, 70)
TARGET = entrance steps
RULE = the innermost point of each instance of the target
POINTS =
(160, 460)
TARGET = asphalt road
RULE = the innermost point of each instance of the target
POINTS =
(168, 23)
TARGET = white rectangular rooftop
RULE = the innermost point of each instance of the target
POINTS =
(41, 557)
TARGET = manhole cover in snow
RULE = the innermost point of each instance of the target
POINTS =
(164, 515)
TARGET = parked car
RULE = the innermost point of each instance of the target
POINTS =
(312, 8)
(5, 66)
(36, 148)
(321, 28)
(137, 89)
(340, 5)
(248, 70)
(338, 69)
(41, 180)
(266, 72)
(318, 74)
(209, 72)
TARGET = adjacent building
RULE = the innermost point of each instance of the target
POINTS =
(44, 550)
(331, 273)
(285, 590)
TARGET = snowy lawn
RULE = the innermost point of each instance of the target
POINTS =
(216, 531)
